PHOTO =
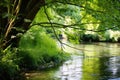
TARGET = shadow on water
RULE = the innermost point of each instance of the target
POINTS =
(100, 61)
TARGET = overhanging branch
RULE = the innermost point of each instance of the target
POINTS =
(52, 26)
(74, 26)
(74, 4)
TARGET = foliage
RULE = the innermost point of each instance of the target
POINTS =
(94, 15)
(84, 15)
(112, 36)
(36, 49)
(89, 38)
(9, 69)
(64, 10)
(14, 15)
(73, 37)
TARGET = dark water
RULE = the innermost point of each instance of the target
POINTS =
(98, 61)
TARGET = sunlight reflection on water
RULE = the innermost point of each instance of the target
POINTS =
(100, 61)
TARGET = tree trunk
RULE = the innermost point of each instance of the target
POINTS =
(10, 28)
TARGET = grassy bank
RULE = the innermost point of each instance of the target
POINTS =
(36, 51)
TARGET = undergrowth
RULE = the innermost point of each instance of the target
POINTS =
(9, 68)
(38, 50)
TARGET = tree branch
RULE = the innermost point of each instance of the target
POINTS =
(74, 26)
(74, 4)
(52, 27)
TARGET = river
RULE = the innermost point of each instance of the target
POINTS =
(97, 61)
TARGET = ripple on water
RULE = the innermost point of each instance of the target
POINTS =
(71, 69)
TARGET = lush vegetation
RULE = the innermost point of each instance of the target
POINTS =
(89, 38)
(38, 50)
(9, 68)
(80, 20)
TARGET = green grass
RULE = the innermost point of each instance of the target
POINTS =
(37, 48)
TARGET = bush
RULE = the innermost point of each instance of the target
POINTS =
(37, 48)
(9, 70)
(89, 38)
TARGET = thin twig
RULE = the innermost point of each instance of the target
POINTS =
(52, 27)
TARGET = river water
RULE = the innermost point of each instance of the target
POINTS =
(97, 61)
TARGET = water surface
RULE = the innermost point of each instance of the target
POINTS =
(98, 61)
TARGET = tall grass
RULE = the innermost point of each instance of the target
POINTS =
(37, 48)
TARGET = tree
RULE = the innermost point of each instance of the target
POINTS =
(15, 18)
(85, 16)
(91, 15)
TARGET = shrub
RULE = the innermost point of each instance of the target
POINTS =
(9, 70)
(89, 38)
